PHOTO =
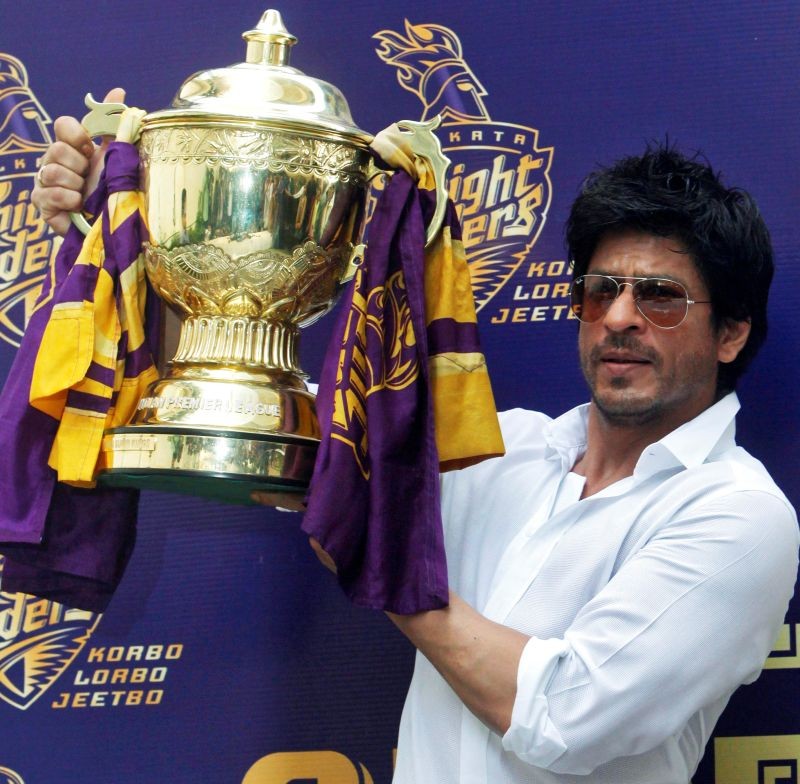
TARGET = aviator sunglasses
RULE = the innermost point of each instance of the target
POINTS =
(664, 303)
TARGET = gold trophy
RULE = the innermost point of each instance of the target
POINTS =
(256, 183)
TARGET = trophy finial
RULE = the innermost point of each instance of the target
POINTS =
(269, 42)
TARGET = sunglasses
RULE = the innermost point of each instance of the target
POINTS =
(664, 303)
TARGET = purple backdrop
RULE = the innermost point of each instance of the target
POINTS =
(227, 648)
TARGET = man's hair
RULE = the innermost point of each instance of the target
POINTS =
(665, 193)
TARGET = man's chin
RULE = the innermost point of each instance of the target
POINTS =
(625, 410)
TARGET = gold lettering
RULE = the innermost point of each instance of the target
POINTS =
(472, 190)
(11, 618)
(520, 315)
(558, 310)
(498, 218)
(539, 313)
(62, 702)
(473, 230)
(501, 182)
(535, 269)
(36, 615)
(11, 264)
(154, 697)
(500, 317)
(526, 220)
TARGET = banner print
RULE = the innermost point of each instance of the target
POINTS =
(228, 655)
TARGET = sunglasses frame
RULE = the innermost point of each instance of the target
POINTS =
(632, 281)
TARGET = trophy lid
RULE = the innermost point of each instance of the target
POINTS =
(263, 91)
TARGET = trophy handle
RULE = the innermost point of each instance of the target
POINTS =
(418, 141)
(426, 145)
(103, 119)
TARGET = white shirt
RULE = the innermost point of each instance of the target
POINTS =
(647, 604)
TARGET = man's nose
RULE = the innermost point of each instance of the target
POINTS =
(623, 314)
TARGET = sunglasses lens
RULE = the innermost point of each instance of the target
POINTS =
(663, 302)
(592, 295)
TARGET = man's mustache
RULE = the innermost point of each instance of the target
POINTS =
(621, 342)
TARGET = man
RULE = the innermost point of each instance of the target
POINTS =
(625, 567)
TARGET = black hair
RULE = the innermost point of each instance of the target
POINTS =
(666, 193)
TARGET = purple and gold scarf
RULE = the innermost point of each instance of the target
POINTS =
(84, 360)
(404, 393)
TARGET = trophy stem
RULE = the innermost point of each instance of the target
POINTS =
(228, 340)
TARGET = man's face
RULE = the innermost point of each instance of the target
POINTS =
(639, 373)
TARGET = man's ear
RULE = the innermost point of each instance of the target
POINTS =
(731, 337)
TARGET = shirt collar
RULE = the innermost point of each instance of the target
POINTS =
(712, 431)
(565, 436)
(691, 444)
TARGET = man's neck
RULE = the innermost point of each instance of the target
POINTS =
(613, 448)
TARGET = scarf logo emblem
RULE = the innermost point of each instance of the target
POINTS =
(385, 318)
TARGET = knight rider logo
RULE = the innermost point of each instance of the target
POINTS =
(26, 243)
(500, 178)
(39, 639)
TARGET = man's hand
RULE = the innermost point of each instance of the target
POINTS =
(70, 170)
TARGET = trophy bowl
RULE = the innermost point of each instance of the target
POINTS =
(255, 183)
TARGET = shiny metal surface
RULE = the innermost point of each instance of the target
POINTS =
(264, 91)
(251, 223)
(224, 466)
(255, 183)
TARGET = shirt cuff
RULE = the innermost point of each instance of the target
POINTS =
(532, 736)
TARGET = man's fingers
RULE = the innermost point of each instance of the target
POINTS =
(54, 198)
(70, 132)
(61, 160)
(70, 169)
(115, 95)
(59, 222)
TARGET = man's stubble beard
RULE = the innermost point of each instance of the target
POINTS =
(635, 410)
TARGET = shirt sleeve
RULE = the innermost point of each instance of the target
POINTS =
(688, 618)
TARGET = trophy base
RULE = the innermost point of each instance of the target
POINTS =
(220, 465)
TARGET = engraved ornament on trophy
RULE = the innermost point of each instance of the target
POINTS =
(256, 184)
